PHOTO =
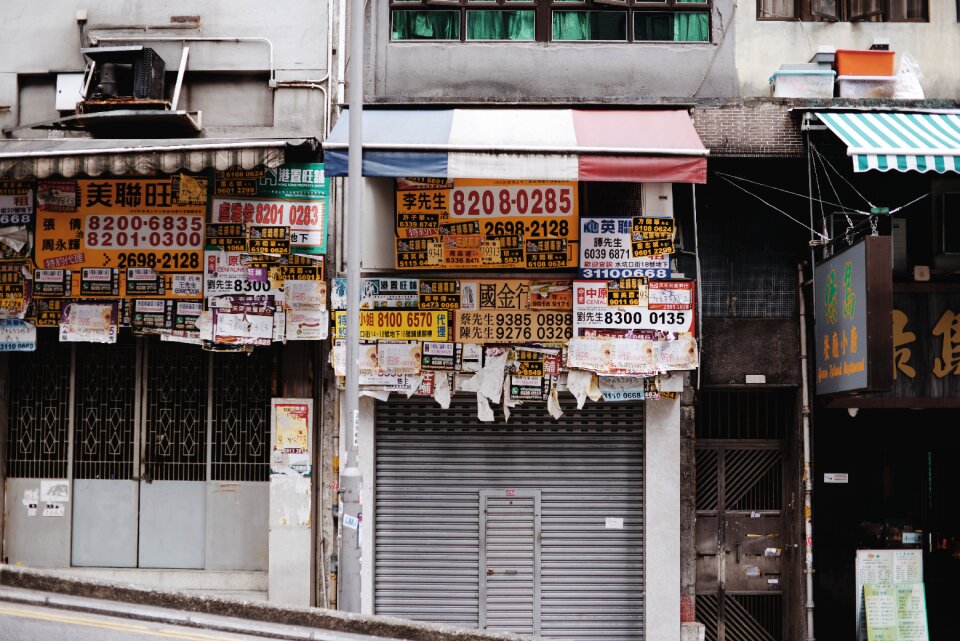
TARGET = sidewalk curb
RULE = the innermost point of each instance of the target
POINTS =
(316, 618)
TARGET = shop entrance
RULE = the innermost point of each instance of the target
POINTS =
(162, 447)
(900, 492)
(743, 544)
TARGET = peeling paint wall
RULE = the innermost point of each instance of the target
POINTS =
(763, 45)
(228, 81)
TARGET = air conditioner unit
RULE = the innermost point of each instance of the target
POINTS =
(123, 78)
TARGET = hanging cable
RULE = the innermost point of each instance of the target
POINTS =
(786, 191)
(823, 159)
(917, 199)
(775, 208)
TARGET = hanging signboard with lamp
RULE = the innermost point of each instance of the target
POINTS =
(853, 306)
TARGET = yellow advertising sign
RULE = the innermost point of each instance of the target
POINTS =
(398, 325)
(487, 224)
(491, 326)
(155, 223)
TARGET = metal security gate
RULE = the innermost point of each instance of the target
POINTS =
(531, 526)
(741, 533)
(166, 447)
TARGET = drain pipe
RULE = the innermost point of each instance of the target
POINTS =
(807, 477)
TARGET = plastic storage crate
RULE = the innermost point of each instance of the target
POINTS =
(855, 62)
(867, 86)
(802, 83)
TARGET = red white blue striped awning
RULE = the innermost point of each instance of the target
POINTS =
(900, 141)
(525, 144)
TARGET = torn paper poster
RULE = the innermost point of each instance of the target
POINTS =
(242, 326)
(307, 323)
(17, 335)
(15, 240)
(616, 356)
(484, 412)
(489, 380)
(54, 490)
(441, 392)
(398, 357)
(380, 395)
(553, 405)
(616, 389)
(53, 509)
(578, 382)
(305, 293)
(89, 322)
(677, 354)
(368, 358)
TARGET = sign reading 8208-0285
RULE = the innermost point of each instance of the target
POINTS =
(130, 222)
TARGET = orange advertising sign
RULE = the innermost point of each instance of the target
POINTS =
(154, 223)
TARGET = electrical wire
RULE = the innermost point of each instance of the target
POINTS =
(823, 159)
(775, 208)
(786, 191)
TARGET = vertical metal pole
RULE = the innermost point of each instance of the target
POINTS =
(699, 283)
(807, 477)
(350, 480)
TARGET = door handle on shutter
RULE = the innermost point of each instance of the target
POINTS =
(490, 571)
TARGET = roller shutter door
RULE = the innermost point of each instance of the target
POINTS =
(512, 526)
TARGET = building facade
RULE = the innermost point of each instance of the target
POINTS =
(561, 431)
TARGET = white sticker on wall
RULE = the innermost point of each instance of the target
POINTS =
(614, 523)
(351, 522)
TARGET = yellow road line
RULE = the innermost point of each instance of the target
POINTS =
(109, 625)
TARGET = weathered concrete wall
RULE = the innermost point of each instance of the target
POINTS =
(662, 515)
(228, 81)
(735, 347)
(551, 72)
(688, 504)
(763, 45)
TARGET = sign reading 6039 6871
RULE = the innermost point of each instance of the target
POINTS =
(156, 223)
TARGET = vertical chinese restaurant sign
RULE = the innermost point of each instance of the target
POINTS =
(853, 301)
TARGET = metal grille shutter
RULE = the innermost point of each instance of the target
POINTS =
(432, 464)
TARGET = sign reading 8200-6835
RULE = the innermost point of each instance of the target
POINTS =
(126, 222)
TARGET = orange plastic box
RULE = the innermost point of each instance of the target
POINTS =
(854, 62)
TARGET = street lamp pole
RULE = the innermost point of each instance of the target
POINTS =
(350, 479)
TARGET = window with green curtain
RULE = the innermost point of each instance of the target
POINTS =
(426, 25)
(692, 26)
(554, 20)
(501, 25)
(589, 25)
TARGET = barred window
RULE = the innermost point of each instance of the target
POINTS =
(844, 10)
(551, 20)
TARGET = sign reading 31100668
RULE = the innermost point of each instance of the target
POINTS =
(605, 252)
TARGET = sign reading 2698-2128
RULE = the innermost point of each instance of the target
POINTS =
(122, 223)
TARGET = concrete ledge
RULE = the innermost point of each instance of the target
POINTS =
(179, 580)
(389, 627)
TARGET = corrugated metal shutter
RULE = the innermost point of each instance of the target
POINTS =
(432, 466)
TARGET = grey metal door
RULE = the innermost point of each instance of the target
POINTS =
(165, 448)
(433, 467)
(741, 536)
(139, 456)
(510, 561)
(105, 443)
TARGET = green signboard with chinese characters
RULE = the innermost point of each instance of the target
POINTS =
(853, 300)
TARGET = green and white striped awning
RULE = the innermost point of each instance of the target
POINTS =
(899, 141)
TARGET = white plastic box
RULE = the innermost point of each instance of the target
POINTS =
(802, 83)
(867, 86)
